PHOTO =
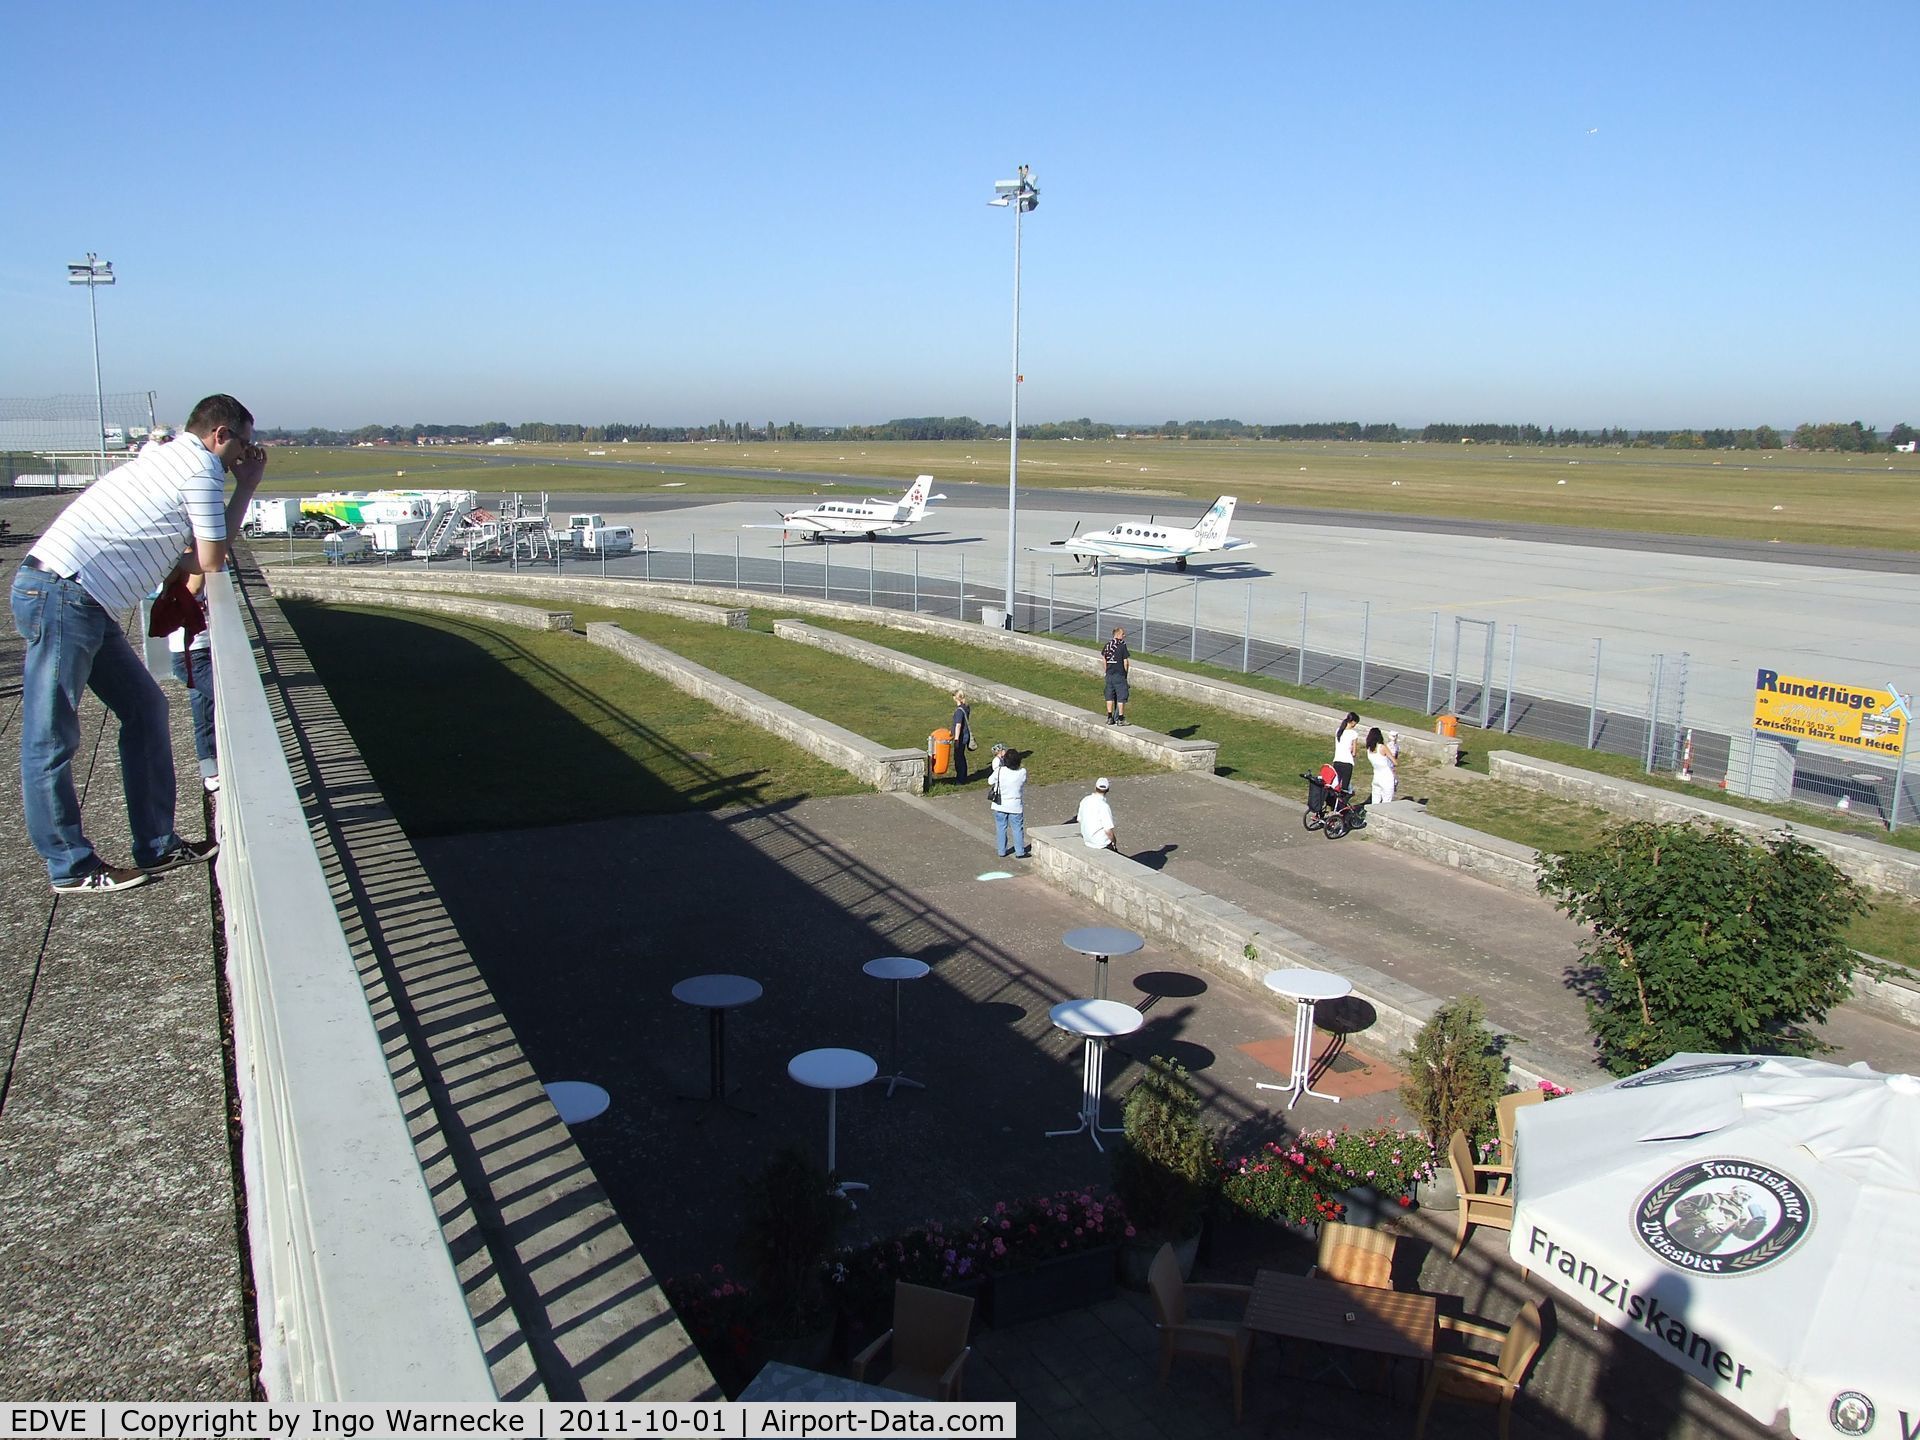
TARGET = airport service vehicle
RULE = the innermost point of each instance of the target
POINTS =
(392, 535)
(844, 519)
(346, 545)
(1150, 542)
(591, 535)
(277, 516)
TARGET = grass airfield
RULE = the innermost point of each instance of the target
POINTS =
(1857, 501)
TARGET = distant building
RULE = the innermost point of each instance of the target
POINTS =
(1908, 448)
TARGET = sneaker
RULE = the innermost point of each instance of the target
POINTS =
(187, 852)
(98, 882)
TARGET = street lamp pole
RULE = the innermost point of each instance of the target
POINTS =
(91, 272)
(1021, 195)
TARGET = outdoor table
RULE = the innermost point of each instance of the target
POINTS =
(1396, 1323)
(897, 968)
(833, 1070)
(1306, 988)
(1102, 942)
(576, 1100)
(1096, 1022)
(717, 994)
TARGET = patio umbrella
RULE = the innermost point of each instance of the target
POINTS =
(1751, 1219)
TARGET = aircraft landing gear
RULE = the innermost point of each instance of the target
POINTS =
(1180, 564)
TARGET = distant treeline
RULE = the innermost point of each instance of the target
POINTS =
(1833, 435)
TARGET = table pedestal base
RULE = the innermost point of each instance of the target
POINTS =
(1092, 1066)
(1297, 1082)
(716, 1070)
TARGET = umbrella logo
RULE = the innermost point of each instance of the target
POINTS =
(1723, 1217)
(1674, 1074)
(1851, 1413)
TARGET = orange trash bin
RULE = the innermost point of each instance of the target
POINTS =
(1447, 726)
(940, 753)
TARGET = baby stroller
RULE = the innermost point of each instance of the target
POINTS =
(1330, 809)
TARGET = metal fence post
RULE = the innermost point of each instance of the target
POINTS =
(960, 600)
(1146, 588)
(1486, 680)
(1097, 607)
(1453, 678)
(1506, 710)
(1193, 648)
(693, 558)
(1899, 777)
(1050, 602)
(869, 574)
(1301, 677)
(783, 564)
(736, 562)
(916, 582)
(1593, 706)
(1657, 668)
(1433, 655)
(1366, 627)
(1246, 635)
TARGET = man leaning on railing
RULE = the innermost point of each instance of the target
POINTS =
(157, 517)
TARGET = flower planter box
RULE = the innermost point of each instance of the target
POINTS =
(1070, 1282)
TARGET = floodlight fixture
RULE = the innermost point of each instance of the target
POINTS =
(1020, 195)
(93, 272)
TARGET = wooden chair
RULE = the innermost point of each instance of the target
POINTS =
(1355, 1255)
(929, 1337)
(1180, 1334)
(1460, 1375)
(1505, 1112)
(1478, 1206)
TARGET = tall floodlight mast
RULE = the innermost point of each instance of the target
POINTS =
(1021, 195)
(91, 272)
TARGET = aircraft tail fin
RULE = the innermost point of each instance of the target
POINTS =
(913, 505)
(1212, 528)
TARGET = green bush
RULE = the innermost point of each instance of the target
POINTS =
(1168, 1166)
(1704, 941)
(792, 1220)
(1455, 1073)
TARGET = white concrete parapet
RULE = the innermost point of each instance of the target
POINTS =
(646, 595)
(882, 768)
(1167, 750)
(355, 1290)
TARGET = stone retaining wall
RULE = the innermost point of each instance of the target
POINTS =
(615, 594)
(1877, 866)
(1175, 754)
(860, 757)
(525, 617)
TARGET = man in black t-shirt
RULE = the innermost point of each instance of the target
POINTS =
(1113, 657)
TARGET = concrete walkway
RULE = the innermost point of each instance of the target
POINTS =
(120, 1256)
(1418, 921)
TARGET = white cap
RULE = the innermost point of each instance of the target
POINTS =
(1103, 783)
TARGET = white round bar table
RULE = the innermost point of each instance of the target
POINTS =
(897, 968)
(1306, 988)
(1102, 942)
(577, 1101)
(1096, 1022)
(833, 1070)
(717, 994)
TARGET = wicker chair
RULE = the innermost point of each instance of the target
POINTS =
(1460, 1375)
(929, 1338)
(1505, 1112)
(1355, 1256)
(1180, 1334)
(1478, 1206)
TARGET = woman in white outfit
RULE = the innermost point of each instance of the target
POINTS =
(1010, 805)
(1384, 752)
(1345, 741)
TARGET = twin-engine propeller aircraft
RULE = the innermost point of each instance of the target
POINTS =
(845, 518)
(1147, 542)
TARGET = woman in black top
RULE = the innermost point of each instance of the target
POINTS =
(962, 735)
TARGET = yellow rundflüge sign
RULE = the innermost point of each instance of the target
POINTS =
(1831, 714)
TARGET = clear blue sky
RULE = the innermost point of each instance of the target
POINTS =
(1592, 214)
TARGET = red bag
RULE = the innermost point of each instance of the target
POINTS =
(178, 609)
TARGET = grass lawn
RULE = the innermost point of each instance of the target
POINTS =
(888, 709)
(468, 726)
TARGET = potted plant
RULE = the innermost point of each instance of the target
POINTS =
(792, 1218)
(1052, 1253)
(1350, 1175)
(1166, 1170)
(1455, 1076)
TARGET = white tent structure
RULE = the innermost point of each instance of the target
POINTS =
(1754, 1220)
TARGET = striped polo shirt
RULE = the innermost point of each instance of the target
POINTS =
(127, 531)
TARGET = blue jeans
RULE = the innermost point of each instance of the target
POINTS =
(1012, 826)
(199, 682)
(73, 644)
